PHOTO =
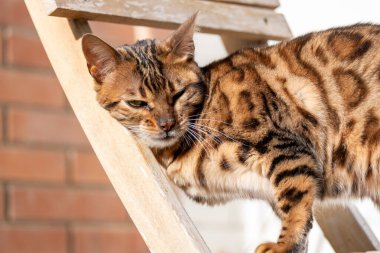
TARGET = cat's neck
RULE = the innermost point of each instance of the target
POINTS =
(164, 156)
(215, 70)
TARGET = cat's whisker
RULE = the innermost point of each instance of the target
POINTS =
(190, 138)
(186, 140)
(198, 138)
(139, 129)
(203, 129)
(213, 137)
(191, 135)
(215, 120)
(217, 131)
(199, 115)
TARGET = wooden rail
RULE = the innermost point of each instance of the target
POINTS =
(133, 171)
(214, 17)
(346, 229)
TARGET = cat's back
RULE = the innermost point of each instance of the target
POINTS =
(337, 69)
(334, 76)
(347, 44)
(325, 78)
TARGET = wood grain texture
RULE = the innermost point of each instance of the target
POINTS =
(220, 18)
(270, 4)
(346, 229)
(132, 169)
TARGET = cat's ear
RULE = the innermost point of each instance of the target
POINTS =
(180, 44)
(101, 57)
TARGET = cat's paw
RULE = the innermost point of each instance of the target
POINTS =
(271, 247)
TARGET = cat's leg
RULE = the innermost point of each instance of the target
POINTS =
(296, 184)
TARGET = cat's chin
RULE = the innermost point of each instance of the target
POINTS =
(163, 140)
(161, 143)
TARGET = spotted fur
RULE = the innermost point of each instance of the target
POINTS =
(290, 124)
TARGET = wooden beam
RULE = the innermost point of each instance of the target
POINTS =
(221, 18)
(345, 229)
(270, 4)
(132, 169)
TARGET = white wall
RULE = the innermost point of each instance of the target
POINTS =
(305, 16)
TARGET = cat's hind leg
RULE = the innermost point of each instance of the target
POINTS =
(296, 182)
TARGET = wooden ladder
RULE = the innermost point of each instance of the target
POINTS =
(132, 169)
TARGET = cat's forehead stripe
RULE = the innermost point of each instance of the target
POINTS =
(142, 92)
(148, 66)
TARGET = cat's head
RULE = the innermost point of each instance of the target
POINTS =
(153, 88)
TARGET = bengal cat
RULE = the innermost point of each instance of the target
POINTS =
(291, 123)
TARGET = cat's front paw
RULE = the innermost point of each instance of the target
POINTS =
(271, 247)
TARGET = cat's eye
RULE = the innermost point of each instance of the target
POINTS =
(178, 95)
(137, 103)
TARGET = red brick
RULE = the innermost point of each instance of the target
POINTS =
(26, 125)
(111, 32)
(89, 239)
(1, 124)
(160, 33)
(52, 203)
(30, 88)
(19, 164)
(32, 239)
(2, 211)
(14, 12)
(1, 48)
(86, 169)
(25, 49)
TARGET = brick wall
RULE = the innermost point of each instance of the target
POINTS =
(54, 195)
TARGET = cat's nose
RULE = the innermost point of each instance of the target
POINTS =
(166, 123)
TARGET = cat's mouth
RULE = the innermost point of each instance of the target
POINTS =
(162, 139)
(167, 136)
